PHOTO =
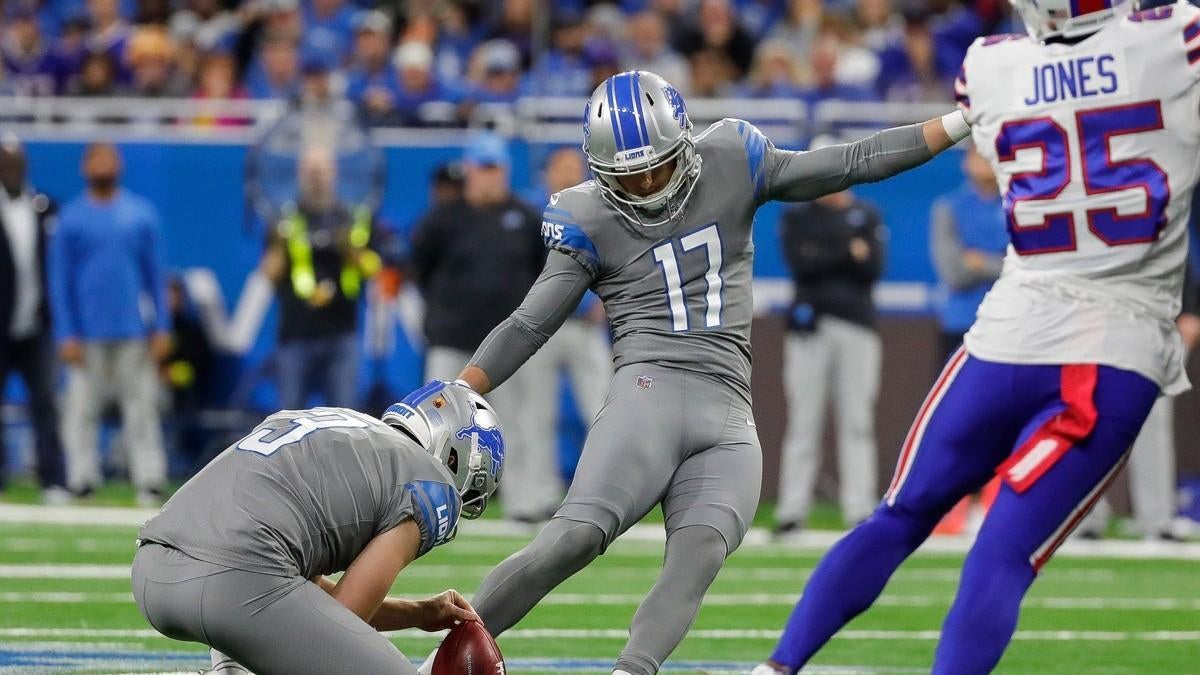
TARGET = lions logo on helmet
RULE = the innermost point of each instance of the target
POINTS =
(486, 431)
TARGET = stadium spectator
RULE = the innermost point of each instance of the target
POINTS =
(109, 34)
(452, 37)
(825, 84)
(26, 345)
(776, 72)
(69, 52)
(834, 248)
(562, 69)
(329, 24)
(217, 80)
(495, 76)
(969, 237)
(97, 77)
(713, 74)
(317, 66)
(473, 260)
(151, 57)
(913, 72)
(716, 28)
(105, 258)
(278, 74)
(204, 24)
(878, 23)
(414, 85)
(320, 256)
(602, 61)
(512, 21)
(798, 27)
(29, 65)
(648, 49)
(369, 77)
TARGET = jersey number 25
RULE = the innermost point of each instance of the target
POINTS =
(1101, 175)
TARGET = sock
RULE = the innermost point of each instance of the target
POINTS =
(848, 579)
(223, 665)
(561, 549)
(694, 556)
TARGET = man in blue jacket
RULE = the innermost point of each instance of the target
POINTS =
(110, 319)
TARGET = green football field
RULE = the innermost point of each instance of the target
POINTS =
(65, 606)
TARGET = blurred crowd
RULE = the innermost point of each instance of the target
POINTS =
(396, 58)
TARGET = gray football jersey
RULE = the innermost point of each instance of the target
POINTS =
(678, 294)
(305, 492)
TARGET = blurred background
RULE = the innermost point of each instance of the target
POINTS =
(215, 209)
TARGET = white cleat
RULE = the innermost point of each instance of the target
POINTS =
(766, 669)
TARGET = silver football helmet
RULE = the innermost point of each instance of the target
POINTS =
(461, 429)
(634, 122)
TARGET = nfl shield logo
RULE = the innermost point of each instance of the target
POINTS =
(644, 382)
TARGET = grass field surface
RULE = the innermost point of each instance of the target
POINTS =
(65, 607)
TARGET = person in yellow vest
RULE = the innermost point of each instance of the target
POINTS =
(320, 257)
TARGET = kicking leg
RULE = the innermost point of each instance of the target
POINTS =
(711, 501)
(966, 427)
(628, 459)
(1023, 529)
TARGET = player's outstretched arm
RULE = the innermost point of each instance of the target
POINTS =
(551, 300)
(802, 176)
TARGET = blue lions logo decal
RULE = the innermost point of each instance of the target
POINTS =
(490, 439)
(587, 120)
(677, 106)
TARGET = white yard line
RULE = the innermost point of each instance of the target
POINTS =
(597, 572)
(757, 541)
(712, 599)
(704, 634)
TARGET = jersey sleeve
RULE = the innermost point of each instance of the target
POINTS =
(561, 232)
(432, 503)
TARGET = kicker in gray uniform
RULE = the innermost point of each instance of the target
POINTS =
(237, 558)
(673, 268)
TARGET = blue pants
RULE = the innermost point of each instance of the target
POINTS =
(1057, 435)
(326, 365)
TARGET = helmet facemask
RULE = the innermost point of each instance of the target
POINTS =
(660, 207)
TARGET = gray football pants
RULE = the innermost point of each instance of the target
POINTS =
(531, 467)
(269, 624)
(126, 368)
(841, 361)
(665, 436)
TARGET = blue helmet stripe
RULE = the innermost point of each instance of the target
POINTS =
(618, 136)
(635, 87)
(415, 398)
(626, 111)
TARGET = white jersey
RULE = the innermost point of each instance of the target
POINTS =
(1096, 148)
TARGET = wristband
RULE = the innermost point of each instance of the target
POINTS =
(956, 126)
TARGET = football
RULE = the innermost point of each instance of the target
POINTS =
(468, 650)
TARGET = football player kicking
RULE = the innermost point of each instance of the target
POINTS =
(663, 236)
(1092, 123)
(237, 558)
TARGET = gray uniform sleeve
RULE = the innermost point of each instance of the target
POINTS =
(552, 299)
(801, 176)
(948, 252)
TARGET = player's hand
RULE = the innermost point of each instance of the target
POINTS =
(974, 260)
(442, 611)
(160, 346)
(860, 250)
(71, 352)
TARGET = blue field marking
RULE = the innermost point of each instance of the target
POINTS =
(30, 661)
